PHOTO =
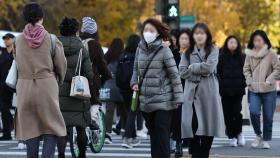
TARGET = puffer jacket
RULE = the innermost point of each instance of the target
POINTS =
(161, 88)
(75, 111)
(261, 70)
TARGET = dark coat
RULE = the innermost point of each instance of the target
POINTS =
(6, 60)
(75, 111)
(161, 88)
(99, 66)
(115, 94)
(230, 72)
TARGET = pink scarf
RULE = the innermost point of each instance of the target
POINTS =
(34, 34)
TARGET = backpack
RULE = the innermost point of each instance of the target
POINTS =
(125, 70)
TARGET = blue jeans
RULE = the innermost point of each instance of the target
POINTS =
(267, 103)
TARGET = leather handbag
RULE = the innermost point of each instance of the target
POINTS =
(80, 85)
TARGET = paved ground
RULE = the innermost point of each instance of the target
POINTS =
(8, 149)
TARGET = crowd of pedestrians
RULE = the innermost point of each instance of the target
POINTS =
(190, 91)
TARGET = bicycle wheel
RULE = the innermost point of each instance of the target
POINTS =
(73, 142)
(97, 137)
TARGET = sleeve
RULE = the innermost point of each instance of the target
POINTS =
(173, 74)
(134, 78)
(98, 58)
(247, 70)
(87, 66)
(59, 62)
(184, 70)
(275, 70)
(207, 67)
(220, 68)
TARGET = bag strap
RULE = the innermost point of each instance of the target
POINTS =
(147, 67)
(79, 63)
(53, 44)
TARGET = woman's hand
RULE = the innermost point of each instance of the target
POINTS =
(166, 43)
(135, 87)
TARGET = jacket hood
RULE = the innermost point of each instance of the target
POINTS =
(34, 34)
(71, 44)
(260, 54)
(151, 47)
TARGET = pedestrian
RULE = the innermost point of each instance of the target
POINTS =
(202, 113)
(75, 111)
(6, 93)
(123, 76)
(232, 88)
(261, 70)
(89, 35)
(41, 65)
(184, 44)
(115, 100)
(161, 91)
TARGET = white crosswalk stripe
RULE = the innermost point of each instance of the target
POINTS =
(115, 150)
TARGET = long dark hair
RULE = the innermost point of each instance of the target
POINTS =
(185, 31)
(208, 44)
(132, 43)
(163, 29)
(114, 51)
(258, 33)
(225, 49)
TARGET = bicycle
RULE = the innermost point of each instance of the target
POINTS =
(95, 137)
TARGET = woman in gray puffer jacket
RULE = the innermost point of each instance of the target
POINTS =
(161, 90)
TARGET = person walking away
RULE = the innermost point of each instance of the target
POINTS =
(161, 91)
(41, 66)
(116, 100)
(123, 77)
(202, 113)
(6, 93)
(89, 35)
(261, 70)
(232, 88)
(184, 44)
(76, 112)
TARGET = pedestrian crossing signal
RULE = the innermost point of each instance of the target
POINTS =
(173, 11)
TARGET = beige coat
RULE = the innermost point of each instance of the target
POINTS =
(38, 110)
(261, 70)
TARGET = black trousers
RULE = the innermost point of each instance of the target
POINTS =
(158, 124)
(200, 145)
(232, 106)
(6, 98)
(33, 144)
(176, 124)
(130, 129)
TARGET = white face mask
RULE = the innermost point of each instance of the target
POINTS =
(149, 36)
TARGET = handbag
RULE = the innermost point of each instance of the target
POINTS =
(136, 94)
(79, 84)
(104, 94)
(12, 77)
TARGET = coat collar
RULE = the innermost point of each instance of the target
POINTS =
(260, 54)
(152, 47)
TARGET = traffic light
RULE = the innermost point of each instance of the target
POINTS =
(172, 14)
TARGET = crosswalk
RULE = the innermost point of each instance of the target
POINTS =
(8, 149)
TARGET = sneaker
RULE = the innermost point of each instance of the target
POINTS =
(233, 142)
(179, 149)
(126, 144)
(108, 139)
(21, 146)
(257, 142)
(141, 134)
(135, 142)
(265, 145)
(122, 132)
(241, 140)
